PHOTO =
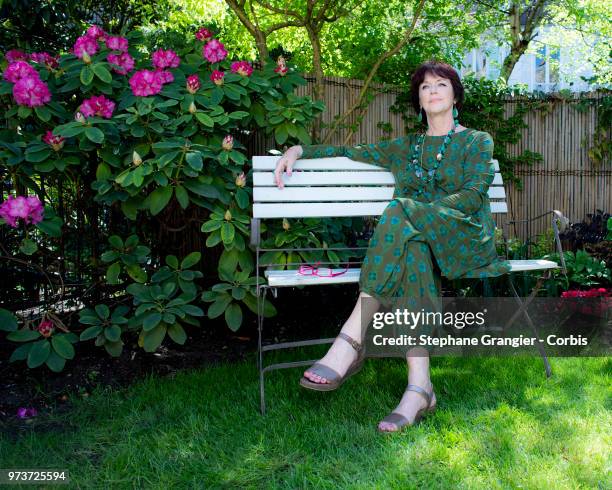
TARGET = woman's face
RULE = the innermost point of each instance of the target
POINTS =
(436, 94)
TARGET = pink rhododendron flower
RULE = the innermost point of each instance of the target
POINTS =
(281, 67)
(146, 82)
(243, 68)
(46, 59)
(117, 43)
(16, 55)
(217, 77)
(165, 59)
(56, 142)
(96, 32)
(228, 142)
(84, 47)
(124, 62)
(203, 34)
(29, 209)
(193, 84)
(24, 413)
(18, 70)
(98, 106)
(46, 328)
(31, 92)
(214, 51)
(165, 76)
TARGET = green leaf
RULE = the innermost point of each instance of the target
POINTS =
(87, 75)
(51, 227)
(90, 332)
(219, 306)
(102, 73)
(205, 119)
(190, 260)
(21, 352)
(28, 246)
(62, 347)
(43, 113)
(103, 171)
(192, 310)
(159, 199)
(23, 335)
(227, 232)
(8, 322)
(55, 362)
(112, 273)
(39, 353)
(151, 321)
(154, 338)
(177, 333)
(172, 261)
(113, 333)
(102, 311)
(114, 348)
(136, 272)
(94, 134)
(181, 196)
(194, 159)
(211, 225)
(242, 198)
(233, 316)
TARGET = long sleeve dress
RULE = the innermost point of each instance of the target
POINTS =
(447, 230)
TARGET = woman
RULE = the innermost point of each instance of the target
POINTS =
(440, 211)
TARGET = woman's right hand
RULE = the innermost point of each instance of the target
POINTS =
(286, 163)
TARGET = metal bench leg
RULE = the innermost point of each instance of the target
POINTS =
(261, 298)
(522, 309)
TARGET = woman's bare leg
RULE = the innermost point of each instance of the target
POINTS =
(418, 374)
(340, 355)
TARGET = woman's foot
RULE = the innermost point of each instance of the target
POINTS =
(339, 357)
(409, 405)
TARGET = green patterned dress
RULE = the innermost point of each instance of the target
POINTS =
(447, 230)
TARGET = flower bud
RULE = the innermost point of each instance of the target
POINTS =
(241, 180)
(192, 108)
(193, 84)
(86, 57)
(46, 328)
(136, 158)
(286, 224)
(228, 215)
(228, 142)
(79, 117)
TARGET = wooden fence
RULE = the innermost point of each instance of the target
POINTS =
(566, 179)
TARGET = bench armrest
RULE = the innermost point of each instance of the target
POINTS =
(559, 224)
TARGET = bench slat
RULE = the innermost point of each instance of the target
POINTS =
(333, 209)
(310, 194)
(331, 163)
(266, 179)
(292, 278)
(321, 178)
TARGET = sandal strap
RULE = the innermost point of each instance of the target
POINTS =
(422, 392)
(354, 344)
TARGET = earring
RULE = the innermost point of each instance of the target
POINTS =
(420, 116)
(455, 115)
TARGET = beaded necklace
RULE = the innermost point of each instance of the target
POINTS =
(426, 176)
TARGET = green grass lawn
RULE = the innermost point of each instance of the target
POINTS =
(500, 424)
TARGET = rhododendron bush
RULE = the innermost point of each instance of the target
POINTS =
(144, 132)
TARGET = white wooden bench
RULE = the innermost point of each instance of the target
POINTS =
(340, 187)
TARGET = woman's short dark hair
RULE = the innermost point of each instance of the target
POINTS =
(440, 69)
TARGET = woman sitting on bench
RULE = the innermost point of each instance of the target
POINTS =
(440, 210)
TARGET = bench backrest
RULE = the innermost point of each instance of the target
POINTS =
(334, 187)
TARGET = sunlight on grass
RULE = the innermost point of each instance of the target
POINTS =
(499, 424)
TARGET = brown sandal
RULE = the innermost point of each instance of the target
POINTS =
(400, 421)
(334, 379)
